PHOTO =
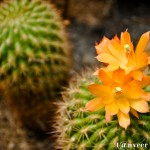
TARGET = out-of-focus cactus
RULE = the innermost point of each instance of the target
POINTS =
(77, 129)
(34, 56)
(33, 51)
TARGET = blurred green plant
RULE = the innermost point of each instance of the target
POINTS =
(34, 57)
(33, 51)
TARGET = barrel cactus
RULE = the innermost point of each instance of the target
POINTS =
(34, 59)
(78, 129)
(34, 55)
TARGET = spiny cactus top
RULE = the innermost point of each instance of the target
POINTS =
(118, 91)
(33, 51)
(78, 129)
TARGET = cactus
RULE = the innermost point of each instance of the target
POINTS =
(77, 129)
(34, 59)
(33, 51)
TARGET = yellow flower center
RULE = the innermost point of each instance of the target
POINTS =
(118, 89)
(127, 48)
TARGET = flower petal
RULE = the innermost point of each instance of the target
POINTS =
(116, 39)
(126, 39)
(142, 57)
(145, 81)
(112, 66)
(108, 117)
(99, 90)
(142, 61)
(112, 109)
(134, 112)
(148, 60)
(102, 46)
(123, 104)
(104, 77)
(94, 105)
(131, 62)
(117, 54)
(142, 44)
(124, 119)
(106, 58)
(133, 92)
(139, 105)
(146, 96)
(118, 76)
(137, 75)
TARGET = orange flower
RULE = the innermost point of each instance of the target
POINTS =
(119, 53)
(119, 94)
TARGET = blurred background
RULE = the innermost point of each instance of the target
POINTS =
(86, 21)
(89, 20)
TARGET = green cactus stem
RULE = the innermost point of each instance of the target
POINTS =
(34, 54)
(77, 129)
(34, 58)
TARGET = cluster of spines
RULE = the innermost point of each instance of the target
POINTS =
(32, 44)
(77, 129)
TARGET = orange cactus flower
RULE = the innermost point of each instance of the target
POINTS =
(119, 53)
(119, 94)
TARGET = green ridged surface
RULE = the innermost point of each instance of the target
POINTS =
(33, 50)
(77, 129)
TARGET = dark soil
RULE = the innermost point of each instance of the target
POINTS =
(15, 138)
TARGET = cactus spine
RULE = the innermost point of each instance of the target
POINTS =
(77, 129)
(33, 51)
